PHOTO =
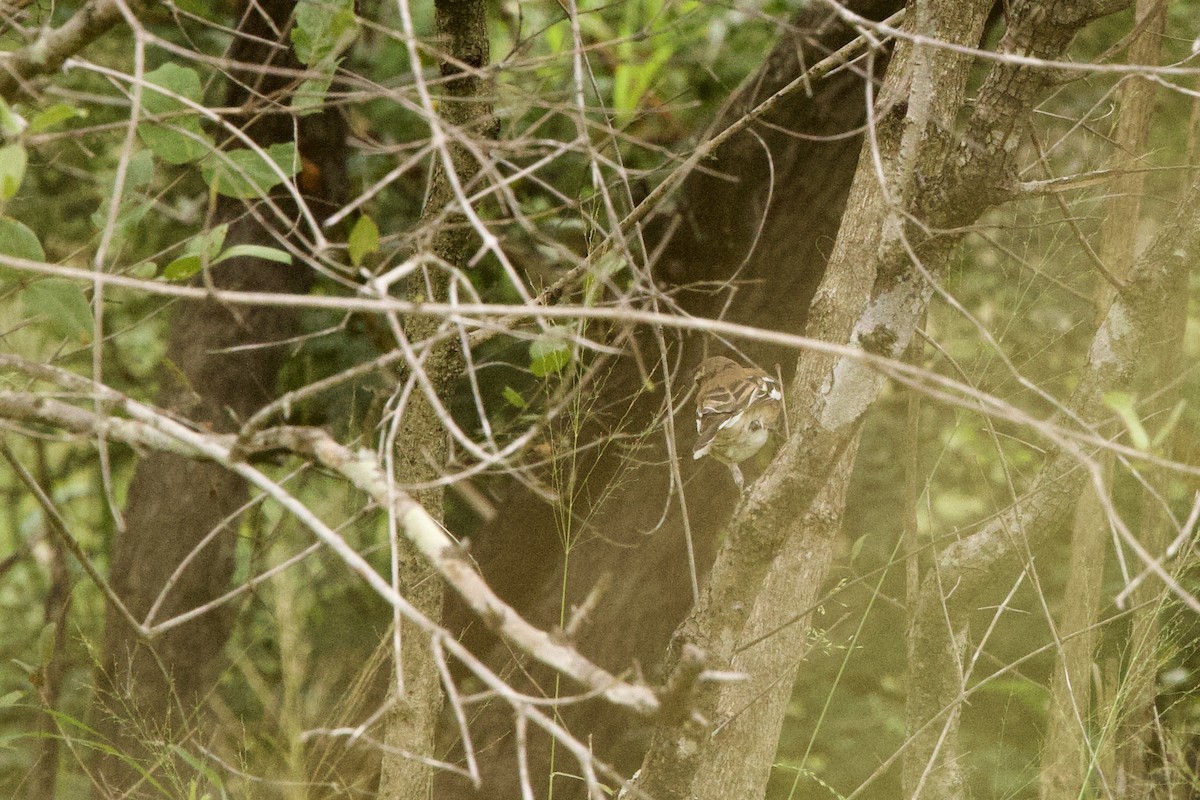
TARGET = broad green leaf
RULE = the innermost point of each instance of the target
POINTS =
(179, 139)
(182, 268)
(550, 353)
(200, 248)
(177, 80)
(174, 146)
(208, 244)
(201, 8)
(364, 239)
(64, 304)
(45, 644)
(12, 170)
(255, 251)
(139, 173)
(324, 29)
(514, 398)
(54, 116)
(145, 270)
(243, 174)
(18, 240)
(310, 95)
(10, 699)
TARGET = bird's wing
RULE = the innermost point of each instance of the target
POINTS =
(724, 406)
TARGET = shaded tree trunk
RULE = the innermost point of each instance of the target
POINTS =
(421, 446)
(153, 691)
(757, 220)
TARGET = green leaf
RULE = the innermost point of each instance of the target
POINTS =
(255, 251)
(550, 353)
(364, 239)
(173, 146)
(182, 268)
(11, 123)
(208, 245)
(856, 548)
(45, 645)
(64, 304)
(180, 139)
(310, 95)
(12, 170)
(19, 241)
(145, 270)
(514, 398)
(599, 274)
(1123, 405)
(54, 116)
(139, 172)
(10, 699)
(199, 249)
(243, 174)
(324, 29)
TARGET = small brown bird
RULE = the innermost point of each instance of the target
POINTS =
(735, 406)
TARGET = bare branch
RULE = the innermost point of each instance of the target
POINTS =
(54, 46)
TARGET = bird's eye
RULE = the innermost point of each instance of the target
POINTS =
(756, 426)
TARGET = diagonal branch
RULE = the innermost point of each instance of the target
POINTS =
(148, 428)
(53, 47)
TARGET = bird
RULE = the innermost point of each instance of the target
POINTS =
(735, 407)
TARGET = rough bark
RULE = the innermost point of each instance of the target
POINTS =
(751, 712)
(1067, 754)
(420, 448)
(153, 691)
(53, 47)
(43, 774)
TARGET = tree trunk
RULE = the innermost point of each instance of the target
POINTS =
(752, 711)
(1069, 753)
(153, 691)
(420, 446)
(736, 219)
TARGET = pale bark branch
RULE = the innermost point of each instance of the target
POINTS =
(1068, 753)
(53, 47)
(150, 429)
